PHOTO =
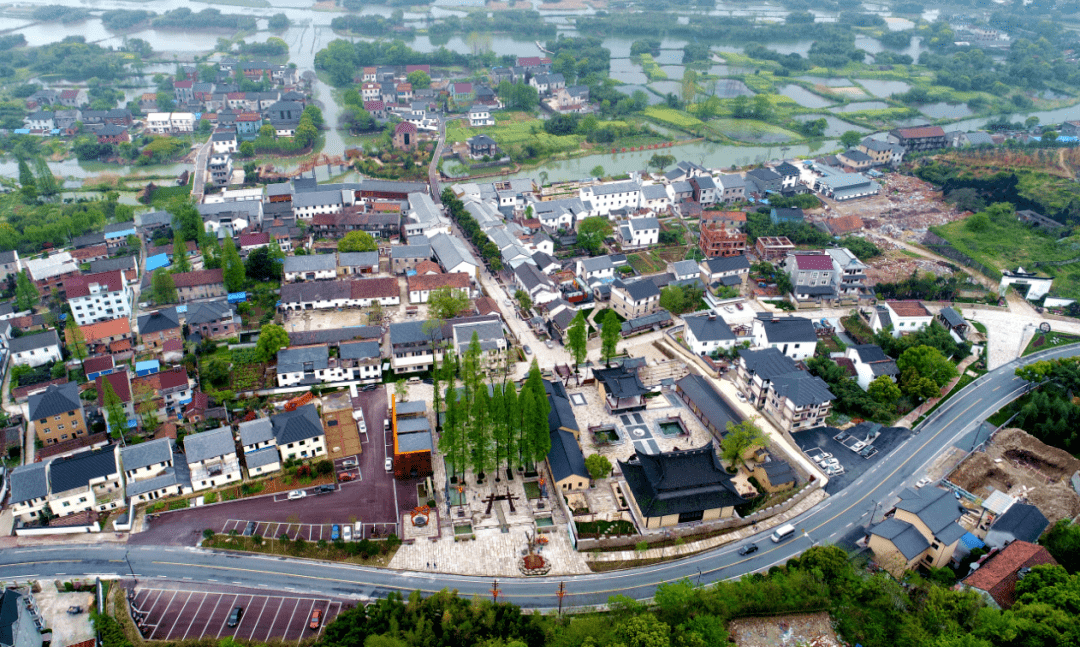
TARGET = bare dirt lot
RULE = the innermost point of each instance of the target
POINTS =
(812, 629)
(896, 265)
(905, 207)
(1028, 469)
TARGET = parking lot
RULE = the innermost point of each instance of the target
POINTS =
(372, 497)
(178, 614)
(822, 440)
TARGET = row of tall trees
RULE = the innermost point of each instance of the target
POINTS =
(492, 425)
(468, 224)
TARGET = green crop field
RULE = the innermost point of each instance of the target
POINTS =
(1009, 244)
(752, 130)
(671, 116)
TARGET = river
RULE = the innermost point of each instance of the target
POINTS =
(311, 32)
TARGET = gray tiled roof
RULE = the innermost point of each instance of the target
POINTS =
(767, 363)
(166, 319)
(936, 508)
(907, 539)
(294, 360)
(28, 482)
(358, 259)
(299, 424)
(685, 267)
(359, 350)
(565, 456)
(1021, 521)
(178, 474)
(451, 252)
(670, 483)
(76, 471)
(208, 311)
(146, 454)
(803, 389)
(317, 198)
(209, 444)
(112, 264)
(597, 264)
(710, 404)
(263, 457)
(727, 264)
(33, 342)
(255, 431)
(952, 317)
(638, 290)
(54, 400)
(644, 223)
(311, 263)
(410, 251)
(789, 329)
(709, 328)
(654, 192)
(616, 187)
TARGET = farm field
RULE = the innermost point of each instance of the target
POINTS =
(752, 130)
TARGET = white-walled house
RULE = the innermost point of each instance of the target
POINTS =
(606, 198)
(311, 267)
(152, 471)
(597, 268)
(706, 333)
(535, 283)
(260, 447)
(870, 363)
(641, 232)
(905, 317)
(792, 336)
(98, 297)
(211, 458)
(299, 433)
(480, 116)
(35, 350)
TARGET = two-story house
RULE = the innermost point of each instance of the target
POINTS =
(420, 286)
(539, 286)
(812, 277)
(159, 327)
(29, 485)
(480, 116)
(640, 232)
(211, 458)
(86, 481)
(56, 414)
(172, 389)
(260, 447)
(199, 284)
(35, 350)
(153, 470)
(599, 268)
(849, 276)
(612, 196)
(708, 333)
(299, 433)
(98, 297)
(731, 188)
(870, 363)
(308, 365)
(923, 531)
(798, 401)
(726, 271)
(793, 336)
(636, 299)
(213, 319)
(105, 337)
(705, 190)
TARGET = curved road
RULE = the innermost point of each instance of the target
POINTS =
(839, 515)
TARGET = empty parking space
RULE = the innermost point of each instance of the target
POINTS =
(852, 464)
(175, 615)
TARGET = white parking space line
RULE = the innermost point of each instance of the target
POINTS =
(181, 614)
(274, 622)
(206, 623)
(195, 617)
(165, 619)
(246, 605)
(231, 606)
(157, 598)
(327, 617)
(266, 603)
(307, 621)
(292, 615)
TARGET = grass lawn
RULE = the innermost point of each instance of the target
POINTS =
(978, 326)
(1009, 244)
(308, 549)
(1049, 340)
(752, 130)
(515, 133)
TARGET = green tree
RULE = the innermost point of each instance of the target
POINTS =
(180, 262)
(114, 409)
(1063, 542)
(247, 150)
(272, 338)
(597, 171)
(162, 287)
(432, 329)
(234, 273)
(610, 332)
(884, 391)
(591, 233)
(918, 386)
(46, 181)
(678, 299)
(26, 177)
(644, 631)
(357, 241)
(279, 22)
(146, 406)
(419, 79)
(598, 465)
(576, 339)
(261, 266)
(76, 341)
(26, 293)
(446, 302)
(480, 436)
(187, 222)
(523, 299)
(660, 161)
(739, 439)
(452, 442)
(927, 362)
(535, 419)
(851, 138)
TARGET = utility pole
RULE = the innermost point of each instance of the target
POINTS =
(495, 591)
(561, 593)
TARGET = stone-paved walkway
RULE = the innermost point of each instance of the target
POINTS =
(491, 553)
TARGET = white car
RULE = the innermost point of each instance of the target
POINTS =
(389, 464)
(297, 494)
(739, 394)
(729, 309)
(924, 481)
(346, 533)
(348, 463)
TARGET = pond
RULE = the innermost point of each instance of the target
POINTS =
(751, 130)
(804, 97)
(670, 428)
(884, 88)
(832, 82)
(666, 87)
(862, 105)
(673, 71)
(544, 522)
(455, 497)
(669, 57)
(942, 110)
(625, 70)
(605, 436)
(463, 529)
(834, 125)
(630, 89)
(731, 88)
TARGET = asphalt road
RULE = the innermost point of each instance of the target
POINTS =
(839, 516)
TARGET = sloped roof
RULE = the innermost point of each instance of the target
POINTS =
(907, 539)
(681, 481)
(54, 400)
(999, 574)
(453, 280)
(937, 509)
(360, 350)
(708, 327)
(727, 264)
(1021, 521)
(202, 312)
(789, 329)
(209, 444)
(638, 290)
(299, 424)
(952, 317)
(146, 454)
(620, 382)
(70, 472)
(802, 388)
(33, 342)
(708, 401)
(198, 277)
(255, 431)
(565, 456)
(767, 363)
(28, 482)
(294, 360)
(160, 320)
(813, 261)
(311, 263)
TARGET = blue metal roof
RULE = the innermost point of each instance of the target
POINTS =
(157, 261)
(150, 364)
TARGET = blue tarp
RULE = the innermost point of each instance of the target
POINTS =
(237, 297)
(971, 541)
(181, 309)
(157, 261)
